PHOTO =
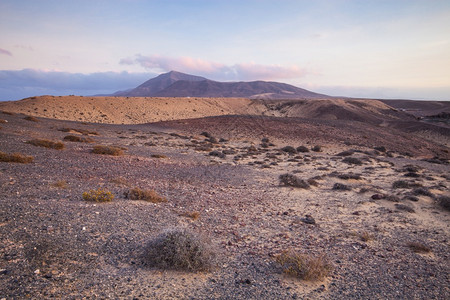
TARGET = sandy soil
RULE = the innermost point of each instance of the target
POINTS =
(55, 244)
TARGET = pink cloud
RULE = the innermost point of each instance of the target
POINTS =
(218, 71)
(5, 52)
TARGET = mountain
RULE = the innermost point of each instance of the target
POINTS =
(155, 85)
(176, 84)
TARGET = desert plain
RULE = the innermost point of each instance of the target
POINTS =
(374, 198)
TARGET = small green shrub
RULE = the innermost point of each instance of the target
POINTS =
(147, 195)
(15, 158)
(294, 181)
(98, 195)
(107, 150)
(181, 249)
(303, 266)
(47, 144)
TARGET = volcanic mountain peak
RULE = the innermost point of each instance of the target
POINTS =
(177, 84)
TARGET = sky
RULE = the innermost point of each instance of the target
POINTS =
(356, 48)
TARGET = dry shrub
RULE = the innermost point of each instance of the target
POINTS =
(302, 149)
(341, 187)
(294, 181)
(365, 236)
(317, 148)
(419, 247)
(194, 215)
(304, 266)
(98, 195)
(289, 149)
(47, 144)
(107, 150)
(181, 249)
(32, 119)
(158, 156)
(400, 184)
(79, 139)
(404, 207)
(147, 195)
(444, 201)
(352, 161)
(349, 176)
(15, 158)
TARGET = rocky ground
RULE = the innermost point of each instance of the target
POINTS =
(54, 244)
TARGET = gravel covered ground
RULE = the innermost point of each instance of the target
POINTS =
(54, 244)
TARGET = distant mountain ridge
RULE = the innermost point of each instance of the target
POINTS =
(177, 84)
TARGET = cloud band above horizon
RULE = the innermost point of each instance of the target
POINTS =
(214, 70)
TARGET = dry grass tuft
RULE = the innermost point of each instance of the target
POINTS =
(304, 266)
(98, 195)
(15, 158)
(146, 195)
(158, 156)
(81, 131)
(194, 215)
(47, 144)
(181, 249)
(32, 119)
(120, 181)
(365, 236)
(62, 184)
(107, 150)
(79, 139)
(418, 247)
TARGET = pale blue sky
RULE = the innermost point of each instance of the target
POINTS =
(365, 48)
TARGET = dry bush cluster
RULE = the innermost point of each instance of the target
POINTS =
(146, 195)
(294, 181)
(303, 266)
(15, 158)
(79, 139)
(47, 144)
(98, 195)
(107, 150)
(181, 249)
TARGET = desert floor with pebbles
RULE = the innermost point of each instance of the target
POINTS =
(368, 203)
